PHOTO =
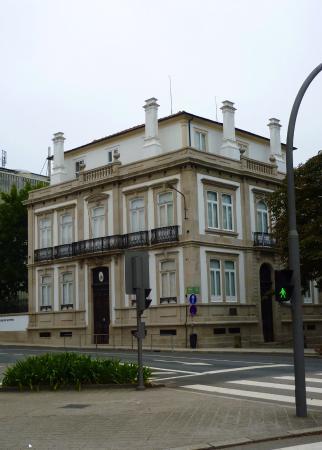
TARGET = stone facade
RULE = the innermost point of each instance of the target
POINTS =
(194, 209)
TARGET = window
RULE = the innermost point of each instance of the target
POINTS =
(215, 282)
(165, 209)
(45, 233)
(45, 292)
(78, 166)
(168, 280)
(212, 208)
(200, 140)
(137, 219)
(110, 156)
(67, 288)
(262, 217)
(219, 210)
(227, 212)
(98, 222)
(230, 281)
(308, 294)
(66, 229)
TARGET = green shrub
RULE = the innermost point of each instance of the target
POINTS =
(70, 369)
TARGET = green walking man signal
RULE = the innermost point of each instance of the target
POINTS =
(283, 285)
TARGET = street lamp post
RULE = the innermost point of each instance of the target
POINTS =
(294, 255)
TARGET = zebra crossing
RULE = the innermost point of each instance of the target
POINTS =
(275, 389)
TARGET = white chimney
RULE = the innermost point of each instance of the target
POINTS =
(229, 146)
(275, 136)
(58, 172)
(152, 145)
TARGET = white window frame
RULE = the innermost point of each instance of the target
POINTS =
(213, 272)
(137, 215)
(167, 274)
(214, 204)
(169, 217)
(231, 275)
(260, 214)
(78, 162)
(224, 208)
(100, 220)
(200, 138)
(45, 287)
(69, 284)
(66, 226)
(45, 240)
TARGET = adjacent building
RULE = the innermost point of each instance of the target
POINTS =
(192, 192)
(19, 178)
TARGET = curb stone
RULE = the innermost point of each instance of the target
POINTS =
(243, 441)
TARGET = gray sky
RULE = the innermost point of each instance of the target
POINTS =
(85, 67)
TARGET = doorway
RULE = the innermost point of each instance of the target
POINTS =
(101, 305)
(266, 302)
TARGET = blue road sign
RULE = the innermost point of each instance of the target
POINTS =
(192, 299)
(193, 310)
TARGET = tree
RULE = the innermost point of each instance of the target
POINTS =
(13, 246)
(308, 191)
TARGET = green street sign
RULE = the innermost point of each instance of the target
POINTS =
(192, 290)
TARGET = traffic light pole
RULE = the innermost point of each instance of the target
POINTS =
(139, 294)
(294, 256)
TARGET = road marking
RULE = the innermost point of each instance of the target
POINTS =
(264, 384)
(232, 361)
(292, 378)
(162, 373)
(235, 369)
(251, 394)
(311, 446)
(173, 370)
(186, 363)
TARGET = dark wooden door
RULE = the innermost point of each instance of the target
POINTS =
(101, 305)
(266, 302)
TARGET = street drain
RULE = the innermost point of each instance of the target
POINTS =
(75, 406)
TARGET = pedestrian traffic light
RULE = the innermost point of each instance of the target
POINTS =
(143, 302)
(283, 285)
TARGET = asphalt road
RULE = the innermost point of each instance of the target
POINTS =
(256, 377)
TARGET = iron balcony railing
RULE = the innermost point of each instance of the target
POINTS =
(107, 243)
(164, 234)
(263, 239)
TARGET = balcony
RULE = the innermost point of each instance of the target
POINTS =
(263, 240)
(164, 234)
(109, 243)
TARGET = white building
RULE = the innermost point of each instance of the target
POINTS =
(189, 190)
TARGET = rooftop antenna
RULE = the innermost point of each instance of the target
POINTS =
(50, 157)
(216, 109)
(3, 158)
(170, 92)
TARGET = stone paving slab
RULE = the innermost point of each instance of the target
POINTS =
(155, 419)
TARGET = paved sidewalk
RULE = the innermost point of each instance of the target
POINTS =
(159, 418)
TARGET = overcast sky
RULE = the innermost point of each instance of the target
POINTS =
(85, 67)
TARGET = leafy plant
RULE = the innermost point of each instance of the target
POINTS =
(70, 369)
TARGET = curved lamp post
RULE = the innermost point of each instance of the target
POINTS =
(294, 255)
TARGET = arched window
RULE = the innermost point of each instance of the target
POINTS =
(262, 217)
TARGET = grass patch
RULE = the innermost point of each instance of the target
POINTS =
(57, 370)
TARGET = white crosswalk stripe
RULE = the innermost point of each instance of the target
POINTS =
(308, 379)
(265, 384)
(251, 394)
(308, 446)
(267, 390)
